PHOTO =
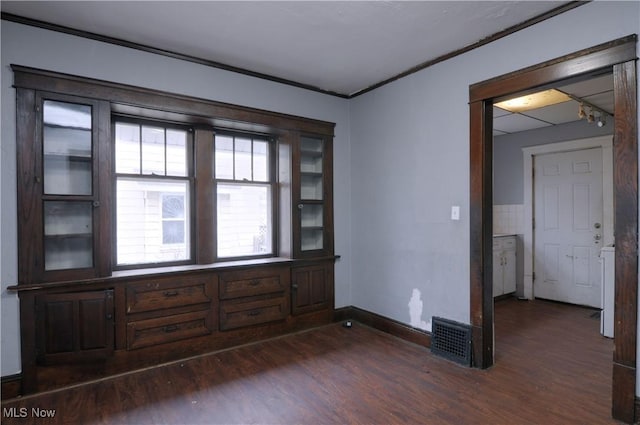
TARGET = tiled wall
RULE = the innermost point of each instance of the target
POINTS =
(508, 219)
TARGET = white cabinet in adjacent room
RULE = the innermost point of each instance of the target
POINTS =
(504, 265)
(607, 261)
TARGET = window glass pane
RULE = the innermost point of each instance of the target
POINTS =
(176, 152)
(66, 114)
(244, 220)
(310, 144)
(224, 157)
(260, 160)
(67, 148)
(68, 237)
(173, 206)
(243, 159)
(127, 148)
(153, 150)
(152, 219)
(172, 232)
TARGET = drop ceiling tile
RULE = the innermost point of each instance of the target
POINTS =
(602, 100)
(498, 133)
(556, 114)
(499, 112)
(516, 122)
(589, 87)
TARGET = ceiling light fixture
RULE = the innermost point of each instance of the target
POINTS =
(593, 111)
(581, 113)
(533, 101)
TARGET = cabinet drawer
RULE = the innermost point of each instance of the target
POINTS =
(163, 293)
(509, 243)
(143, 333)
(504, 242)
(249, 283)
(236, 314)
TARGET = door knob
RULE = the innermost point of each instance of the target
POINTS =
(597, 225)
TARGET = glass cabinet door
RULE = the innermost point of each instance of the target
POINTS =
(311, 204)
(67, 167)
(68, 235)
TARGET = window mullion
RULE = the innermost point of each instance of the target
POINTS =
(140, 146)
(234, 157)
(165, 150)
(252, 176)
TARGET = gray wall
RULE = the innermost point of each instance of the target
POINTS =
(410, 165)
(508, 174)
(24, 45)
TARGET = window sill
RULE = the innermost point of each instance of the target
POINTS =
(122, 275)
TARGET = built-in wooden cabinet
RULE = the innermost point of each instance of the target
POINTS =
(60, 220)
(313, 197)
(311, 288)
(253, 297)
(169, 308)
(77, 308)
(74, 326)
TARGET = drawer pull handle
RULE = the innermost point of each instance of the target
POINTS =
(254, 282)
(171, 328)
(255, 313)
(170, 293)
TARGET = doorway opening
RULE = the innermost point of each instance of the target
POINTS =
(618, 57)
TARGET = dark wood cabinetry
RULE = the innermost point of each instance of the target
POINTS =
(63, 231)
(168, 328)
(165, 293)
(313, 196)
(74, 326)
(77, 312)
(253, 297)
(167, 309)
(311, 288)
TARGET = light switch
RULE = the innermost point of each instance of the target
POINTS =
(455, 212)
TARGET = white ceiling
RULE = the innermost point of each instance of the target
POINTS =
(342, 47)
(337, 46)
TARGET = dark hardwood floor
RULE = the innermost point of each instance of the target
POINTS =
(553, 367)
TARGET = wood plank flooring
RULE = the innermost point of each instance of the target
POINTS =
(553, 367)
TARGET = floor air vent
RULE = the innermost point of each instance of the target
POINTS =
(451, 340)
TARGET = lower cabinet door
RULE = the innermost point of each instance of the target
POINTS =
(74, 326)
(311, 288)
(509, 271)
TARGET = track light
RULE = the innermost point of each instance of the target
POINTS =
(593, 111)
(581, 113)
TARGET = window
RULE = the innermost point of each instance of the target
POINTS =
(172, 180)
(173, 219)
(153, 192)
(244, 188)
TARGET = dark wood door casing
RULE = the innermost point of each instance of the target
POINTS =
(619, 56)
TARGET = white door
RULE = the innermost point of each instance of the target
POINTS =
(568, 226)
